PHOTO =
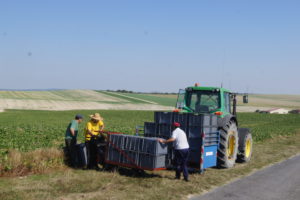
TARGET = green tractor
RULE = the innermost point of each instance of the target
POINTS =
(235, 143)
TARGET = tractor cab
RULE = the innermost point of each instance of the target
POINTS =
(209, 100)
(204, 100)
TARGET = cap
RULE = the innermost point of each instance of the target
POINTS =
(176, 124)
(78, 116)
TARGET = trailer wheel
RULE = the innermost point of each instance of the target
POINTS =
(228, 148)
(245, 145)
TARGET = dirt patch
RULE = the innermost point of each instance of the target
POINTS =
(251, 108)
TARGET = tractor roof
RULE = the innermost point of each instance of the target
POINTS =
(208, 88)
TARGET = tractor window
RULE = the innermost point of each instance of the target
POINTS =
(203, 101)
(227, 102)
(180, 99)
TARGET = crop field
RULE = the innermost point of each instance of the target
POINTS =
(29, 130)
(160, 99)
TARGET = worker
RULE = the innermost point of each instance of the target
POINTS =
(71, 138)
(181, 150)
(92, 133)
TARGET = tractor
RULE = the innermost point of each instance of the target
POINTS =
(235, 143)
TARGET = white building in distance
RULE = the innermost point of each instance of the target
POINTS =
(276, 111)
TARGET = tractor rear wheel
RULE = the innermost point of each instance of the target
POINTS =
(245, 145)
(228, 148)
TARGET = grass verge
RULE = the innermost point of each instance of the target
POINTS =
(16, 163)
(80, 184)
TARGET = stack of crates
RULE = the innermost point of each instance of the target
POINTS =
(137, 152)
(200, 124)
(162, 128)
(194, 125)
(162, 125)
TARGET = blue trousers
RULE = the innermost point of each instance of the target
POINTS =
(181, 159)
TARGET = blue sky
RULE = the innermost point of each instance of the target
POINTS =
(250, 46)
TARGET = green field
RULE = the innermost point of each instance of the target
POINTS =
(29, 130)
(163, 99)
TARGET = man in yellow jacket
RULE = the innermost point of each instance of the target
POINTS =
(92, 133)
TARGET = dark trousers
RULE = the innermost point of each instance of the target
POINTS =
(71, 150)
(91, 148)
(181, 159)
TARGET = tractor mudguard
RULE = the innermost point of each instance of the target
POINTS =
(223, 121)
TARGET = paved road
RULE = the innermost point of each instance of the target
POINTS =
(280, 181)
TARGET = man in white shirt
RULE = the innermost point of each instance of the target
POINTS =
(181, 150)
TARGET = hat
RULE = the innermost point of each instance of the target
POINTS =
(176, 124)
(78, 116)
(96, 116)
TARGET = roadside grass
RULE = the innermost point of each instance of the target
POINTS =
(16, 163)
(124, 184)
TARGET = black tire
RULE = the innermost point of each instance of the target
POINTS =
(228, 132)
(244, 137)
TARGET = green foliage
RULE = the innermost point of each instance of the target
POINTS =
(264, 126)
(29, 130)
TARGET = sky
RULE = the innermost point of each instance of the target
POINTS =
(151, 45)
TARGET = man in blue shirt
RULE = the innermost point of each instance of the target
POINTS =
(71, 138)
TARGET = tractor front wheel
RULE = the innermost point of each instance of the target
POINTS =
(245, 145)
(228, 148)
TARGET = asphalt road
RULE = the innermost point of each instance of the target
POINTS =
(279, 181)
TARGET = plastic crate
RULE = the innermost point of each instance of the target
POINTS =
(163, 117)
(203, 120)
(195, 132)
(181, 118)
(130, 158)
(117, 140)
(113, 155)
(153, 147)
(149, 129)
(195, 143)
(132, 143)
(152, 162)
(81, 152)
(164, 130)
